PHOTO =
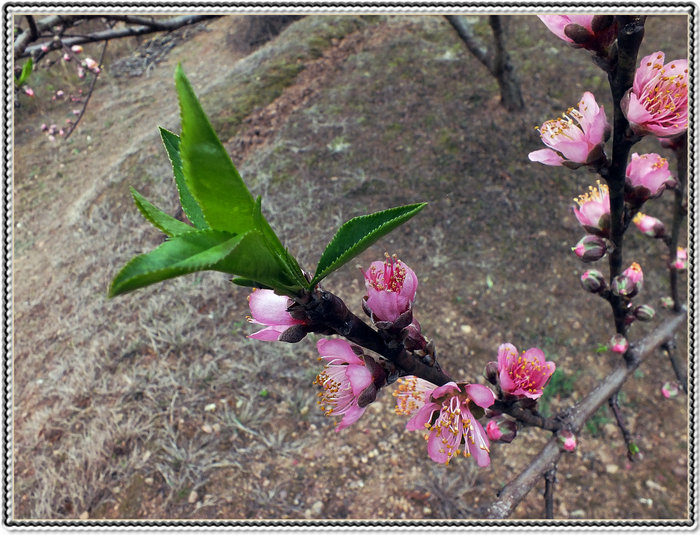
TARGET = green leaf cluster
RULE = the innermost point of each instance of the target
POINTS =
(227, 231)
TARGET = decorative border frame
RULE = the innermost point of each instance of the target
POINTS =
(9, 9)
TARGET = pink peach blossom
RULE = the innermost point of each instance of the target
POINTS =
(647, 176)
(455, 422)
(593, 32)
(593, 212)
(77, 49)
(344, 380)
(391, 289)
(268, 308)
(629, 282)
(657, 102)
(576, 138)
(523, 375)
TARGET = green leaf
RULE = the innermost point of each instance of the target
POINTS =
(209, 173)
(165, 222)
(189, 205)
(359, 233)
(195, 251)
(248, 283)
(26, 71)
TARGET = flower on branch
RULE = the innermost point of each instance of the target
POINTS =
(523, 375)
(593, 281)
(647, 177)
(592, 32)
(619, 344)
(576, 138)
(567, 440)
(650, 226)
(657, 102)
(681, 261)
(501, 429)
(391, 290)
(629, 282)
(593, 212)
(268, 308)
(447, 412)
(350, 380)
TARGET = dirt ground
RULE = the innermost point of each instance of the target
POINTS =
(155, 405)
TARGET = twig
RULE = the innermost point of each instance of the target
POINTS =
(476, 47)
(614, 405)
(514, 492)
(550, 477)
(678, 368)
(681, 151)
(106, 35)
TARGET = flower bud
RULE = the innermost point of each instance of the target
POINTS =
(590, 248)
(681, 262)
(619, 344)
(670, 390)
(501, 429)
(667, 302)
(77, 49)
(644, 313)
(577, 33)
(593, 281)
(491, 372)
(650, 226)
(629, 282)
(66, 57)
(567, 440)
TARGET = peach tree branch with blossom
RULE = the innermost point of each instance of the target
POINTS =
(228, 232)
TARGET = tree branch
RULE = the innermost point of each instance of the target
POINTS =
(550, 478)
(106, 35)
(478, 49)
(514, 492)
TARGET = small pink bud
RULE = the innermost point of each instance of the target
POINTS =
(644, 313)
(629, 282)
(90, 63)
(61, 132)
(44, 48)
(667, 302)
(670, 390)
(501, 429)
(491, 372)
(593, 281)
(29, 91)
(619, 344)
(81, 72)
(44, 128)
(59, 93)
(650, 226)
(76, 112)
(681, 261)
(77, 49)
(66, 57)
(590, 248)
(567, 440)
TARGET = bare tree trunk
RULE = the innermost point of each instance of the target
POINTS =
(497, 61)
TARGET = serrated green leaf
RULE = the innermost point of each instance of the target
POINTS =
(195, 251)
(359, 233)
(209, 173)
(189, 205)
(159, 219)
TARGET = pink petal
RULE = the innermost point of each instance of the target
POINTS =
(337, 349)
(360, 378)
(505, 353)
(545, 156)
(436, 449)
(447, 388)
(480, 447)
(268, 334)
(480, 394)
(421, 417)
(269, 308)
(351, 416)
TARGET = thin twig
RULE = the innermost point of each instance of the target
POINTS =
(678, 367)
(476, 47)
(681, 153)
(95, 75)
(614, 405)
(550, 477)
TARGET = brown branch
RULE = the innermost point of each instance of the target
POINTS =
(106, 35)
(478, 49)
(89, 94)
(22, 49)
(680, 149)
(614, 405)
(514, 492)
(678, 367)
(550, 478)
